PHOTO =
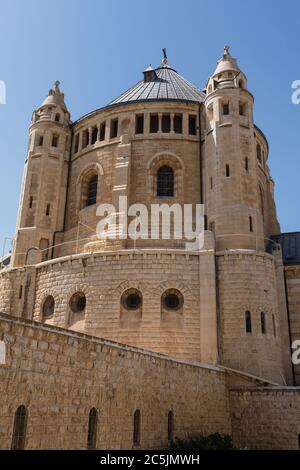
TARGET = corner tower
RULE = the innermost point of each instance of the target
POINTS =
(42, 204)
(232, 198)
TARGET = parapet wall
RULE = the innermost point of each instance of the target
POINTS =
(59, 375)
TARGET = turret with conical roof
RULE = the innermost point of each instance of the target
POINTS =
(232, 199)
(41, 213)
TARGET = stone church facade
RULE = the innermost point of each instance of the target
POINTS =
(143, 336)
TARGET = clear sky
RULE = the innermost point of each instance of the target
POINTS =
(97, 49)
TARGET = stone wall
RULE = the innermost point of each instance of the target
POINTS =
(292, 274)
(247, 282)
(103, 277)
(60, 375)
(267, 418)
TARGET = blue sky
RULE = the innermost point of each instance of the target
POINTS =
(97, 49)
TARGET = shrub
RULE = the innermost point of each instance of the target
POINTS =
(214, 441)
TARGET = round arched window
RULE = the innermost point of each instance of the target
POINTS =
(48, 306)
(78, 302)
(172, 299)
(132, 299)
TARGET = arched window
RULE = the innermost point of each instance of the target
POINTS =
(48, 307)
(137, 428)
(57, 117)
(170, 426)
(248, 322)
(19, 431)
(91, 197)
(165, 182)
(92, 429)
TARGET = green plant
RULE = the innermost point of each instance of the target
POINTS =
(214, 441)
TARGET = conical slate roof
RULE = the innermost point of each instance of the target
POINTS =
(162, 83)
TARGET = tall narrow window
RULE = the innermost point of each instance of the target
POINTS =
(248, 322)
(40, 141)
(178, 123)
(263, 323)
(94, 134)
(274, 325)
(102, 131)
(48, 209)
(76, 143)
(30, 202)
(85, 138)
(192, 125)
(139, 124)
(227, 171)
(114, 125)
(154, 123)
(165, 182)
(92, 430)
(247, 164)
(54, 142)
(242, 109)
(19, 430)
(20, 291)
(92, 190)
(225, 109)
(166, 123)
(250, 223)
(137, 428)
(57, 117)
(211, 182)
(170, 426)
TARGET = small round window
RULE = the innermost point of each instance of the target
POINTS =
(172, 299)
(78, 302)
(48, 306)
(132, 299)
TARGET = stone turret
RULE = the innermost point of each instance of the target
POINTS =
(232, 199)
(41, 212)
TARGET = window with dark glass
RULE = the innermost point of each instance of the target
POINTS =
(248, 322)
(102, 131)
(250, 224)
(263, 323)
(19, 429)
(247, 164)
(225, 109)
(227, 171)
(178, 123)
(54, 142)
(192, 125)
(165, 182)
(139, 124)
(94, 134)
(92, 430)
(153, 123)
(92, 191)
(114, 128)
(166, 123)
(137, 428)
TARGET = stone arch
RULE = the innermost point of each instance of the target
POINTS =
(71, 291)
(166, 159)
(40, 302)
(81, 183)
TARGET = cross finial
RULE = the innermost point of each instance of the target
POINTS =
(226, 49)
(56, 85)
(165, 58)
